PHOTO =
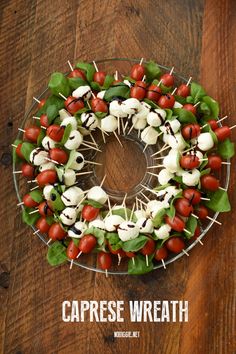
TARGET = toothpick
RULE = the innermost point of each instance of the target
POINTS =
(118, 127)
(195, 216)
(225, 163)
(69, 63)
(133, 260)
(185, 252)
(159, 158)
(153, 174)
(71, 263)
(91, 147)
(93, 163)
(232, 127)
(79, 254)
(14, 172)
(157, 166)
(145, 196)
(132, 127)
(141, 61)
(117, 138)
(119, 258)
(34, 117)
(189, 80)
(145, 147)
(116, 75)
(124, 205)
(49, 241)
(147, 260)
(172, 70)
(21, 130)
(64, 98)
(191, 148)
(109, 205)
(132, 212)
(54, 161)
(165, 147)
(196, 104)
(123, 126)
(163, 263)
(103, 131)
(94, 141)
(95, 65)
(159, 83)
(103, 180)
(31, 189)
(198, 239)
(36, 99)
(220, 120)
(144, 78)
(83, 173)
(21, 203)
(77, 206)
(106, 272)
(15, 146)
(32, 181)
(34, 211)
(36, 232)
(173, 92)
(202, 198)
(223, 189)
(142, 202)
(187, 231)
(217, 222)
(148, 189)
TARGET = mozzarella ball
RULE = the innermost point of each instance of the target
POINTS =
(82, 92)
(139, 123)
(143, 111)
(164, 176)
(47, 191)
(109, 123)
(69, 177)
(199, 154)
(191, 178)
(89, 120)
(115, 109)
(128, 230)
(68, 216)
(78, 162)
(47, 166)
(131, 106)
(145, 225)
(153, 119)
(101, 94)
(69, 120)
(149, 136)
(112, 222)
(77, 230)
(97, 194)
(155, 206)
(171, 126)
(38, 156)
(177, 105)
(74, 140)
(72, 196)
(175, 141)
(127, 82)
(163, 232)
(100, 224)
(205, 141)
(140, 214)
(48, 143)
(171, 161)
(63, 113)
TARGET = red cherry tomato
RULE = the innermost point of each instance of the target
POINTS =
(42, 225)
(77, 73)
(191, 131)
(27, 170)
(197, 232)
(175, 244)
(148, 248)
(138, 92)
(153, 93)
(201, 212)
(98, 105)
(29, 202)
(210, 183)
(32, 133)
(213, 124)
(55, 132)
(175, 223)
(44, 209)
(104, 260)
(99, 77)
(137, 72)
(223, 133)
(189, 161)
(190, 107)
(140, 84)
(167, 80)
(89, 213)
(56, 232)
(58, 155)
(192, 195)
(18, 151)
(214, 162)
(183, 207)
(72, 250)
(130, 254)
(161, 253)
(183, 90)
(46, 177)
(44, 120)
(73, 104)
(166, 101)
(87, 243)
(119, 251)
(42, 103)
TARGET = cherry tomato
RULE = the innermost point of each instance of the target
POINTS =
(190, 107)
(193, 196)
(56, 232)
(44, 120)
(119, 251)
(58, 155)
(189, 161)
(46, 177)
(27, 170)
(87, 243)
(197, 232)
(77, 73)
(42, 225)
(140, 84)
(89, 213)
(73, 104)
(183, 90)
(175, 223)
(201, 212)
(138, 92)
(44, 209)
(166, 101)
(99, 77)
(130, 254)
(213, 124)
(42, 103)
(153, 93)
(183, 207)
(55, 132)
(98, 105)
(191, 131)
(32, 133)
(161, 253)
(29, 202)
(148, 248)
(175, 244)
(72, 250)
(18, 151)
(167, 80)
(210, 183)
(223, 133)
(104, 260)
(214, 162)
(137, 72)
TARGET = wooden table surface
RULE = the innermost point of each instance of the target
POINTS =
(37, 37)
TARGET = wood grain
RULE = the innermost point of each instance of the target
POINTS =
(38, 37)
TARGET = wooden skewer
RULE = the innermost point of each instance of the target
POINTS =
(189, 80)
(54, 161)
(93, 163)
(17, 172)
(77, 206)
(95, 65)
(165, 147)
(34, 211)
(109, 205)
(83, 173)
(187, 231)
(35, 232)
(141, 61)
(118, 125)
(172, 70)
(106, 272)
(69, 63)
(123, 126)
(90, 142)
(34, 117)
(195, 216)
(31, 189)
(117, 138)
(149, 189)
(49, 241)
(124, 205)
(21, 203)
(225, 163)
(93, 140)
(196, 104)
(142, 202)
(163, 263)
(191, 148)
(71, 263)
(147, 260)
(119, 258)
(132, 212)
(64, 98)
(233, 126)
(185, 252)
(216, 221)
(103, 180)
(21, 130)
(157, 166)
(153, 174)
(144, 78)
(145, 196)
(173, 92)
(91, 147)
(198, 239)
(103, 131)
(36, 99)
(79, 254)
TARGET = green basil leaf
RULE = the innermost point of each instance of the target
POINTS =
(29, 219)
(139, 265)
(114, 240)
(169, 114)
(117, 91)
(15, 157)
(42, 134)
(76, 82)
(26, 150)
(95, 86)
(121, 212)
(88, 69)
(190, 225)
(77, 115)
(93, 203)
(181, 99)
(98, 233)
(152, 71)
(213, 135)
(108, 81)
(52, 112)
(184, 116)
(158, 219)
(71, 159)
(50, 220)
(189, 99)
(58, 102)
(56, 254)
(219, 201)
(100, 115)
(205, 172)
(171, 211)
(76, 241)
(160, 188)
(37, 195)
(203, 108)
(226, 149)
(197, 91)
(66, 134)
(55, 200)
(151, 103)
(58, 83)
(212, 105)
(135, 244)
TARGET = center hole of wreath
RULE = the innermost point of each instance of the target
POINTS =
(124, 167)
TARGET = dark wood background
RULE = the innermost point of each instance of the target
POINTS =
(38, 37)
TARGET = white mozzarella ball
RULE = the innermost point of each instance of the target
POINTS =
(112, 222)
(153, 119)
(38, 156)
(191, 178)
(175, 141)
(171, 126)
(177, 105)
(100, 224)
(101, 94)
(139, 123)
(143, 111)
(68, 216)
(47, 166)
(131, 106)
(69, 177)
(77, 230)
(140, 214)
(164, 176)
(127, 82)
(72, 196)
(109, 123)
(48, 143)
(145, 225)
(47, 191)
(205, 141)
(128, 230)
(115, 109)
(74, 140)
(149, 135)
(171, 161)
(162, 232)
(199, 154)
(69, 120)
(78, 162)
(155, 206)
(82, 92)
(89, 121)
(63, 113)
(97, 194)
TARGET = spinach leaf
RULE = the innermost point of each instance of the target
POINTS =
(139, 266)
(190, 225)
(226, 149)
(51, 112)
(108, 81)
(158, 219)
(135, 244)
(219, 201)
(76, 82)
(152, 71)
(117, 91)
(41, 135)
(184, 116)
(26, 150)
(66, 134)
(37, 195)
(213, 106)
(88, 69)
(29, 219)
(56, 254)
(114, 240)
(197, 91)
(189, 99)
(15, 157)
(58, 83)
(56, 101)
(95, 86)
